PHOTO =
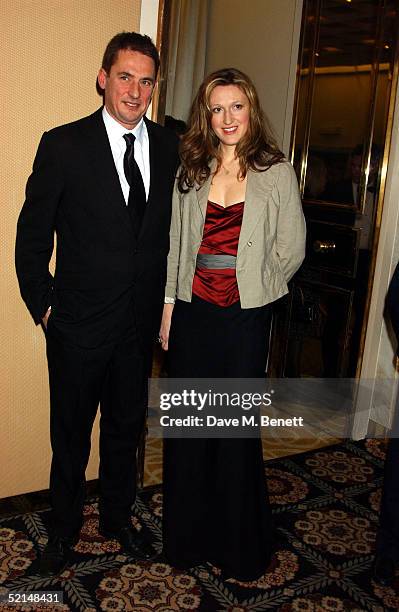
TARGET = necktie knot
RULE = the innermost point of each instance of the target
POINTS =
(130, 138)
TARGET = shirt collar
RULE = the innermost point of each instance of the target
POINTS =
(115, 130)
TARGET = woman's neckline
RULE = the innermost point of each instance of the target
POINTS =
(228, 205)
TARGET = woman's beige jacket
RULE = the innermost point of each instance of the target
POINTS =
(272, 240)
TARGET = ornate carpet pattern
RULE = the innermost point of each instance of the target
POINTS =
(325, 505)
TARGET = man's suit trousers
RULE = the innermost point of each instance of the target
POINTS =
(388, 533)
(115, 376)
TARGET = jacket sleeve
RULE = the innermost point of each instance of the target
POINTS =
(35, 229)
(174, 248)
(392, 304)
(291, 228)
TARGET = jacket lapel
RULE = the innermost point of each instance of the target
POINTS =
(203, 192)
(155, 161)
(259, 187)
(102, 165)
(156, 166)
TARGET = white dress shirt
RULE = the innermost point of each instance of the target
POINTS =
(115, 133)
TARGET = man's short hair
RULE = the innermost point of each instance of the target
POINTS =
(132, 41)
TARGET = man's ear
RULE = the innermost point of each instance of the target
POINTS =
(101, 78)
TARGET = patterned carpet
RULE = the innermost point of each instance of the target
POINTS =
(325, 505)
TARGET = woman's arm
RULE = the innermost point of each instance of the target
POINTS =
(174, 246)
(172, 269)
(291, 228)
(165, 325)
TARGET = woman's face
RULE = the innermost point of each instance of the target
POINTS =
(229, 113)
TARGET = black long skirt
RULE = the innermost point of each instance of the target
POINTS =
(216, 504)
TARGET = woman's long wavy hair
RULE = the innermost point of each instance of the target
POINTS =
(257, 150)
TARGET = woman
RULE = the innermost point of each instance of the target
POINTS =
(237, 237)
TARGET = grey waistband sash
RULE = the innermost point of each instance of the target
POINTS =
(205, 260)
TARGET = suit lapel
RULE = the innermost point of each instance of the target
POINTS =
(259, 187)
(203, 192)
(102, 164)
(155, 162)
(155, 167)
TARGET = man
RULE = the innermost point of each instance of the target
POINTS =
(346, 190)
(387, 545)
(107, 196)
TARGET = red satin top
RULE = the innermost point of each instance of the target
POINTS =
(221, 234)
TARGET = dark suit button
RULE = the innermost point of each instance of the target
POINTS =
(135, 251)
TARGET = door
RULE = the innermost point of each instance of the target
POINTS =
(340, 138)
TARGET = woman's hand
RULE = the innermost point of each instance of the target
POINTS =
(165, 326)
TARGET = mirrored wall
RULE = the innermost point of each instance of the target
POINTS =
(345, 90)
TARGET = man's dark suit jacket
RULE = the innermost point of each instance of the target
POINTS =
(102, 268)
(392, 303)
(388, 533)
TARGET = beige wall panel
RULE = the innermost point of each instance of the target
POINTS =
(51, 51)
(259, 37)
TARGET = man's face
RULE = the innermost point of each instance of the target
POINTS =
(128, 87)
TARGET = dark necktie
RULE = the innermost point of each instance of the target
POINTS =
(137, 199)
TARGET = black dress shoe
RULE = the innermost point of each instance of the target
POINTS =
(384, 570)
(55, 556)
(132, 542)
